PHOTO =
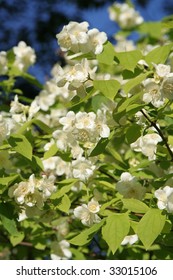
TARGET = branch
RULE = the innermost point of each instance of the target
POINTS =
(165, 141)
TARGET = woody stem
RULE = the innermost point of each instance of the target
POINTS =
(165, 141)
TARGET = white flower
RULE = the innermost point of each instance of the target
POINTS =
(167, 87)
(162, 70)
(4, 130)
(24, 56)
(76, 38)
(87, 213)
(152, 93)
(60, 250)
(147, 145)
(33, 192)
(129, 187)
(85, 120)
(96, 40)
(68, 121)
(130, 239)
(47, 186)
(101, 126)
(165, 198)
(82, 169)
(3, 63)
(72, 36)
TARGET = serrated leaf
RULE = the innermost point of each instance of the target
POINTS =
(150, 226)
(108, 87)
(135, 81)
(21, 145)
(153, 29)
(128, 60)
(66, 187)
(16, 239)
(135, 205)
(159, 54)
(107, 55)
(7, 180)
(63, 204)
(51, 152)
(116, 228)
(85, 236)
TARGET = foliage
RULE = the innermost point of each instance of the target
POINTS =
(86, 166)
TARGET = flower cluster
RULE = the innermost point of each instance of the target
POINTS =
(24, 56)
(125, 15)
(76, 37)
(33, 192)
(159, 88)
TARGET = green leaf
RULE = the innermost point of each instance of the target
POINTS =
(129, 60)
(85, 236)
(63, 204)
(51, 152)
(42, 126)
(133, 133)
(31, 79)
(21, 145)
(153, 29)
(116, 228)
(135, 205)
(37, 163)
(16, 239)
(159, 54)
(7, 219)
(128, 101)
(150, 226)
(100, 147)
(135, 81)
(107, 55)
(8, 180)
(66, 187)
(108, 87)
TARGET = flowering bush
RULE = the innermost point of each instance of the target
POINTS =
(86, 166)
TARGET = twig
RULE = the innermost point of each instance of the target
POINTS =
(152, 123)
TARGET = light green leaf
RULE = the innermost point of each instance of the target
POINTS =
(116, 228)
(7, 180)
(153, 29)
(85, 236)
(159, 54)
(108, 87)
(128, 60)
(65, 188)
(21, 145)
(150, 226)
(63, 204)
(135, 205)
(135, 81)
(16, 239)
(107, 55)
(51, 152)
